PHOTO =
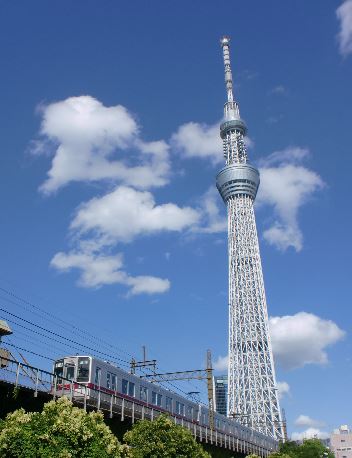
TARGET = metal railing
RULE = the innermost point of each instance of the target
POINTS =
(24, 376)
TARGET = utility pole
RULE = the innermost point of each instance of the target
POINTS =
(197, 374)
(145, 363)
(210, 389)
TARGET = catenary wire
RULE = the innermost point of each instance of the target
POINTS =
(16, 296)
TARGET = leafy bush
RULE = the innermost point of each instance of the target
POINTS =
(311, 448)
(161, 438)
(61, 431)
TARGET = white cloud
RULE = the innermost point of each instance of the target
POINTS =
(148, 285)
(98, 270)
(221, 364)
(119, 216)
(305, 421)
(290, 155)
(309, 433)
(302, 339)
(283, 389)
(213, 216)
(126, 213)
(87, 136)
(344, 15)
(199, 140)
(279, 90)
(297, 340)
(286, 186)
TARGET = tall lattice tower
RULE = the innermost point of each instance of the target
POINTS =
(252, 392)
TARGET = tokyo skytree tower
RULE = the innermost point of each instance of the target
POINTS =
(252, 393)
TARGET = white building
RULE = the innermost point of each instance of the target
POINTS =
(341, 442)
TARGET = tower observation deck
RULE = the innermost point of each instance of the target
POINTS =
(252, 392)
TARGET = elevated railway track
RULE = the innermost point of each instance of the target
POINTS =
(36, 383)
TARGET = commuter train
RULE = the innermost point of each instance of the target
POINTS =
(97, 375)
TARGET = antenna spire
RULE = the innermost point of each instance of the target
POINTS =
(225, 44)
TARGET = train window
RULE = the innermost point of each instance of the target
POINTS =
(108, 380)
(113, 382)
(97, 379)
(190, 412)
(59, 370)
(156, 399)
(143, 393)
(180, 408)
(169, 404)
(128, 387)
(131, 389)
(70, 372)
(83, 370)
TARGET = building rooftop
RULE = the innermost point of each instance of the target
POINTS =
(5, 329)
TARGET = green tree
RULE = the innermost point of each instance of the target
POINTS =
(313, 448)
(289, 448)
(281, 455)
(61, 431)
(162, 438)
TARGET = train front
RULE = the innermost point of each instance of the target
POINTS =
(72, 377)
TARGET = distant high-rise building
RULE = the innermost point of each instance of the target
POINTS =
(341, 442)
(220, 394)
(252, 392)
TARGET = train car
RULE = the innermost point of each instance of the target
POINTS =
(91, 377)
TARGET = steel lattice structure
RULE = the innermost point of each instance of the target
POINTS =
(252, 392)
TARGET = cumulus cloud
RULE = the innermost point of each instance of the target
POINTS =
(344, 15)
(86, 137)
(213, 214)
(297, 340)
(98, 270)
(201, 140)
(305, 421)
(114, 218)
(125, 213)
(286, 186)
(283, 389)
(221, 364)
(309, 433)
(302, 339)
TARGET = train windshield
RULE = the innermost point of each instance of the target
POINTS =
(59, 370)
(83, 370)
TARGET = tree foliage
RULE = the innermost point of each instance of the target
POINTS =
(162, 438)
(310, 448)
(313, 448)
(61, 431)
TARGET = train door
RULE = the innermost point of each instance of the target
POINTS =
(97, 380)
(69, 371)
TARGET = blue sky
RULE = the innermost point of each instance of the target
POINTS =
(109, 150)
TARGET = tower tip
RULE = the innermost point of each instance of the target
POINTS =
(225, 40)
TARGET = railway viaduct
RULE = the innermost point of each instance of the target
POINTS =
(29, 387)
